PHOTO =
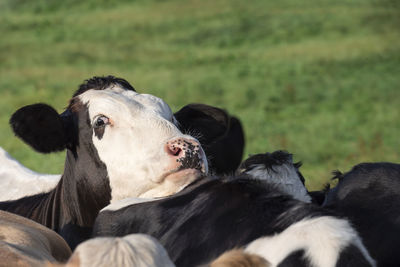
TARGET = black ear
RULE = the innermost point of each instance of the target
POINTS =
(40, 126)
(210, 122)
(220, 135)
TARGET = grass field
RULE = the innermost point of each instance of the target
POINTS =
(318, 78)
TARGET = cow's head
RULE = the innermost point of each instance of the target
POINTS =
(277, 168)
(110, 130)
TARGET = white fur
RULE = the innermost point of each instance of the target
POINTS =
(17, 181)
(284, 177)
(132, 250)
(321, 238)
(133, 146)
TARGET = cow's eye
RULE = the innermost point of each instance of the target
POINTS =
(101, 121)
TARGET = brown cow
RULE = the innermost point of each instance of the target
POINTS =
(24, 242)
(239, 258)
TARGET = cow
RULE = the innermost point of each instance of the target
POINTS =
(24, 242)
(369, 196)
(119, 144)
(136, 250)
(239, 258)
(17, 181)
(293, 184)
(214, 214)
(220, 134)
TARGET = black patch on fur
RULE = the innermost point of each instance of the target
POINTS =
(99, 132)
(220, 135)
(351, 256)
(41, 127)
(295, 259)
(101, 83)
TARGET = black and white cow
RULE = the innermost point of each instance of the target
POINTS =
(369, 196)
(213, 215)
(220, 134)
(119, 144)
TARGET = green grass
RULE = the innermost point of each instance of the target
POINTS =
(318, 78)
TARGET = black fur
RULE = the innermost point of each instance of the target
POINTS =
(317, 197)
(295, 259)
(337, 175)
(369, 195)
(326, 188)
(101, 83)
(41, 127)
(220, 135)
(352, 257)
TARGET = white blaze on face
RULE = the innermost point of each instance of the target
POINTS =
(133, 144)
(285, 177)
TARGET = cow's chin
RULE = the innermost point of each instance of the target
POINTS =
(184, 176)
(173, 182)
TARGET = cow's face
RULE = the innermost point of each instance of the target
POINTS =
(136, 138)
(132, 136)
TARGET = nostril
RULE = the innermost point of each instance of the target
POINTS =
(174, 150)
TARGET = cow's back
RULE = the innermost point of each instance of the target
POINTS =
(369, 196)
(24, 242)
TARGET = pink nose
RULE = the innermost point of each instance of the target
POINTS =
(186, 151)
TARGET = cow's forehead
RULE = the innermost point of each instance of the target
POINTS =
(116, 99)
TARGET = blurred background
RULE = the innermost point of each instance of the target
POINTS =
(318, 78)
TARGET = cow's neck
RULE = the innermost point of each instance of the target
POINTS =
(84, 188)
(82, 192)
(74, 203)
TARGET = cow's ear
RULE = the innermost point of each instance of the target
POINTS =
(205, 121)
(221, 135)
(41, 127)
